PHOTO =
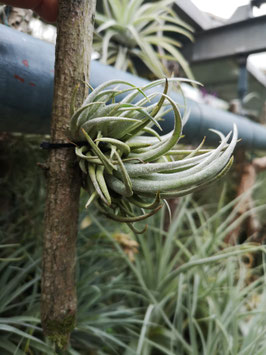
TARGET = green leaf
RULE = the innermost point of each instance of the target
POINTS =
(11, 329)
(107, 164)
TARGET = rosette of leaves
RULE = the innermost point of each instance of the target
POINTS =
(148, 32)
(126, 164)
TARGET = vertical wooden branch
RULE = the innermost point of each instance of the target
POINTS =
(73, 51)
(247, 172)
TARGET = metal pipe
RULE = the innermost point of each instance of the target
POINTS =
(26, 92)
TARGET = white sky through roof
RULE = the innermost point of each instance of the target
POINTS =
(225, 9)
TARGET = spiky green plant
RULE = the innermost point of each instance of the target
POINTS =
(20, 330)
(125, 163)
(104, 320)
(198, 297)
(130, 30)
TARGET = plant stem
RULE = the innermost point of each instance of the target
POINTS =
(73, 51)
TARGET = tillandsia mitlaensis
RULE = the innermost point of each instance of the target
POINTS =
(126, 163)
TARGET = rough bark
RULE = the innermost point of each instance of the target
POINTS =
(73, 51)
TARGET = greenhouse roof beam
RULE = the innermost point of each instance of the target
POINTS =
(231, 40)
(190, 12)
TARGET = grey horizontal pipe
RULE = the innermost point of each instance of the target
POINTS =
(26, 92)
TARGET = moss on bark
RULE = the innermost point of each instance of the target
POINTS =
(58, 331)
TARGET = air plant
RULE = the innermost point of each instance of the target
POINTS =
(126, 163)
(132, 31)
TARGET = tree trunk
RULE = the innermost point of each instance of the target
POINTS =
(247, 174)
(73, 51)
